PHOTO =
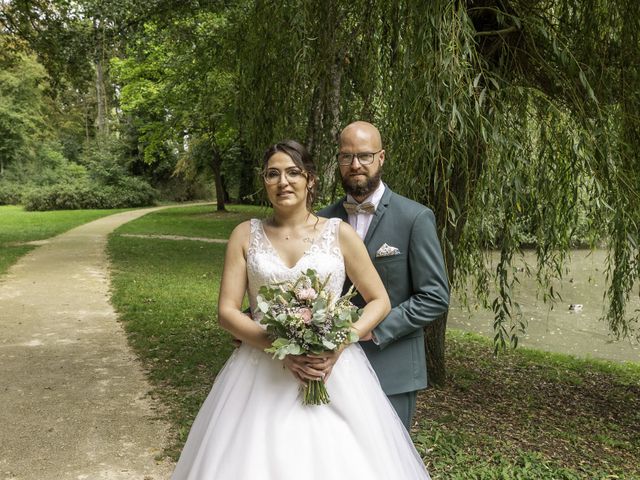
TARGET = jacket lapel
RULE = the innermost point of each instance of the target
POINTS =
(341, 212)
(382, 207)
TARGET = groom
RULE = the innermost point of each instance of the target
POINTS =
(401, 238)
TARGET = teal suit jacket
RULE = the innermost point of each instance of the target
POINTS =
(416, 282)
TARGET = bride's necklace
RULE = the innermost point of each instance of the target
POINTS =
(288, 236)
(304, 239)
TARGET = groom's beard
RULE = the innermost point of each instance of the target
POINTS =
(362, 189)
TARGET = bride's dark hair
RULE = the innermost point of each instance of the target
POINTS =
(301, 158)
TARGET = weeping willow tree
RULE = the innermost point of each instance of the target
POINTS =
(512, 120)
(505, 117)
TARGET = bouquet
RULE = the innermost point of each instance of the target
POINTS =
(302, 317)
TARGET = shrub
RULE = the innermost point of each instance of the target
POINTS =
(70, 196)
(178, 189)
(10, 193)
(129, 192)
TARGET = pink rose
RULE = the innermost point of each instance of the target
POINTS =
(306, 294)
(305, 315)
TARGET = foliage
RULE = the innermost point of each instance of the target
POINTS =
(182, 98)
(23, 110)
(51, 182)
(48, 26)
(499, 115)
(127, 192)
(74, 43)
(10, 193)
(515, 121)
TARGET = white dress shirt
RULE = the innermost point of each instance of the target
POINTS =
(361, 221)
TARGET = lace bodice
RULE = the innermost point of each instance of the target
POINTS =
(265, 266)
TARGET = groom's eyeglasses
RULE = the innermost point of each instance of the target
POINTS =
(293, 175)
(364, 158)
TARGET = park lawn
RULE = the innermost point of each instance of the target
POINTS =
(523, 415)
(165, 292)
(198, 221)
(18, 226)
(530, 414)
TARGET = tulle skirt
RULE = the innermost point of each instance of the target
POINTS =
(253, 426)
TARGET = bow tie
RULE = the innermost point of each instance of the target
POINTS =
(355, 208)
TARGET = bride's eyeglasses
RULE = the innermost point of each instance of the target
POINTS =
(293, 175)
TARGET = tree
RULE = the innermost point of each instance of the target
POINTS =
(512, 119)
(23, 109)
(491, 111)
(176, 85)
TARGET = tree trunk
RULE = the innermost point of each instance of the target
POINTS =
(435, 347)
(333, 100)
(225, 191)
(435, 332)
(217, 174)
(323, 128)
(246, 191)
(327, 168)
(101, 89)
(314, 125)
(86, 118)
(462, 187)
(101, 122)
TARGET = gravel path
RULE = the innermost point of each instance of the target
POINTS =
(73, 397)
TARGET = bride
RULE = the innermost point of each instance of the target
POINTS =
(253, 425)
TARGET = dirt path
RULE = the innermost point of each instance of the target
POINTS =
(73, 398)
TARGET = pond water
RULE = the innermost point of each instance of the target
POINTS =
(578, 331)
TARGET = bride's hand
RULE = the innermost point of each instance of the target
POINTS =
(326, 361)
(304, 367)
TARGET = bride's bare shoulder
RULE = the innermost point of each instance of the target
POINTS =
(347, 231)
(242, 228)
(240, 235)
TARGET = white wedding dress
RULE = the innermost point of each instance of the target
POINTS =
(253, 426)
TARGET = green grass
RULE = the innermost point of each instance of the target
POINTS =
(10, 254)
(201, 221)
(166, 294)
(524, 415)
(530, 414)
(18, 226)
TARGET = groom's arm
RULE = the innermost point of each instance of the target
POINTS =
(430, 297)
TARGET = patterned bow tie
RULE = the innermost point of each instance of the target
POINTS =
(355, 208)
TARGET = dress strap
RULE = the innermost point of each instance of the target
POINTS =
(329, 237)
(256, 236)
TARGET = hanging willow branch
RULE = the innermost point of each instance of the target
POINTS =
(515, 121)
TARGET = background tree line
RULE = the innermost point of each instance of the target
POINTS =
(516, 121)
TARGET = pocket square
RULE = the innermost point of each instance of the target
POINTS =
(387, 251)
